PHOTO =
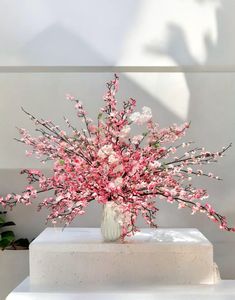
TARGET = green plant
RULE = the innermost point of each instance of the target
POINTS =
(7, 237)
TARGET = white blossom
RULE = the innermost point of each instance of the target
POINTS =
(155, 164)
(118, 168)
(139, 118)
(125, 131)
(113, 159)
(135, 116)
(118, 181)
(106, 150)
(136, 139)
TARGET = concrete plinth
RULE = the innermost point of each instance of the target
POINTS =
(74, 257)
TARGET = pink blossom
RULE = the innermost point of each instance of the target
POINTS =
(103, 162)
(92, 128)
(69, 97)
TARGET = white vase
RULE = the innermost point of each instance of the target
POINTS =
(110, 227)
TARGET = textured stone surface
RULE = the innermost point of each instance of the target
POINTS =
(75, 257)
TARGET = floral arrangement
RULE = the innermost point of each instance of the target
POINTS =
(104, 162)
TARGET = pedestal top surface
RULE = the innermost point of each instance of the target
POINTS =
(87, 236)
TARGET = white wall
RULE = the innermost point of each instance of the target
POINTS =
(110, 32)
(193, 33)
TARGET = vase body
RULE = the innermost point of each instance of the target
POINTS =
(110, 227)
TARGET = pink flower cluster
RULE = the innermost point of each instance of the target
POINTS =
(105, 162)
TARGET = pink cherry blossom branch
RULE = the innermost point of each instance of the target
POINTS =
(105, 162)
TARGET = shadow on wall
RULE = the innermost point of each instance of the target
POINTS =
(57, 45)
(211, 110)
(49, 32)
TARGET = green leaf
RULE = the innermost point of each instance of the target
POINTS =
(100, 115)
(6, 224)
(2, 221)
(4, 243)
(61, 161)
(9, 235)
(156, 144)
(23, 243)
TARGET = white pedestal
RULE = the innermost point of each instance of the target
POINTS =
(70, 259)
(154, 264)
(224, 290)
